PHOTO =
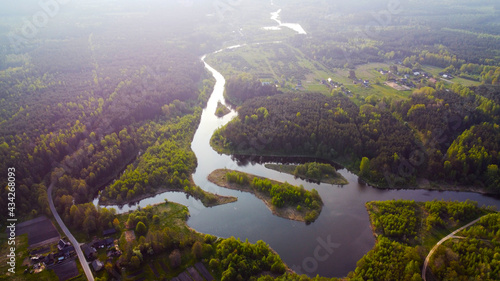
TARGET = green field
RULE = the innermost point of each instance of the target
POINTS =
(287, 65)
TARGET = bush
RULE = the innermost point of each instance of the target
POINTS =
(214, 264)
(278, 267)
(141, 229)
(135, 262)
(197, 250)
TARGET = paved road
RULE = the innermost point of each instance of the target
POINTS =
(68, 234)
(451, 235)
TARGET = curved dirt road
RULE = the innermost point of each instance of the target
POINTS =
(426, 262)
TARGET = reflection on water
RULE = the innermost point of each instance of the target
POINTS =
(293, 26)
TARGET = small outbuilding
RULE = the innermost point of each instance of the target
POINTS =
(97, 265)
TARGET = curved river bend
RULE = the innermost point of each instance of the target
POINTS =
(343, 225)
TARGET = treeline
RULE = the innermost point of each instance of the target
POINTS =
(283, 194)
(316, 125)
(294, 277)
(396, 224)
(441, 213)
(359, 35)
(442, 59)
(92, 164)
(243, 87)
(153, 239)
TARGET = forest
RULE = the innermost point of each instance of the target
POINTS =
(244, 87)
(168, 163)
(317, 125)
(459, 134)
(81, 103)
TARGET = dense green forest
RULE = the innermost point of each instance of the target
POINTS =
(316, 125)
(165, 165)
(459, 132)
(244, 87)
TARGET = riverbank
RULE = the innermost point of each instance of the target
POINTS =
(207, 199)
(421, 184)
(425, 184)
(332, 177)
(291, 212)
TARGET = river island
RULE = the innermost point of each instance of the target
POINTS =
(312, 171)
(283, 199)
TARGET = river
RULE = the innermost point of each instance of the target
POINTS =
(343, 221)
